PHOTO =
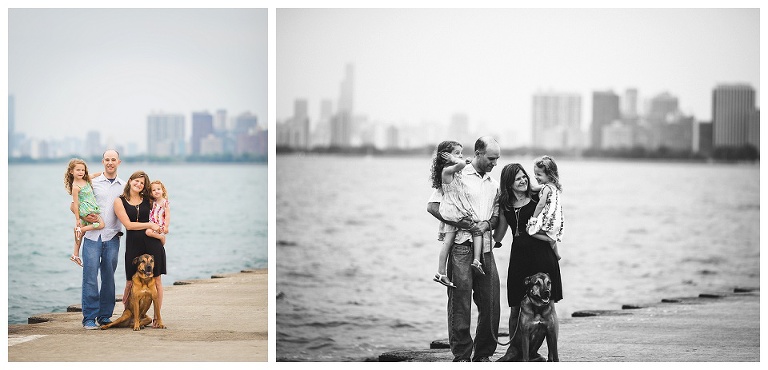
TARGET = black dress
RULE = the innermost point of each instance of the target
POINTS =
(137, 242)
(529, 256)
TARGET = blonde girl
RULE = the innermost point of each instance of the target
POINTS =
(77, 182)
(547, 221)
(161, 210)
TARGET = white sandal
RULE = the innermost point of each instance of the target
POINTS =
(76, 259)
(443, 279)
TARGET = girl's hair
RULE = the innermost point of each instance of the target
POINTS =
(144, 192)
(158, 182)
(508, 174)
(69, 178)
(549, 166)
(438, 162)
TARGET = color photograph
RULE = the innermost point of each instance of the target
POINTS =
(137, 185)
(575, 185)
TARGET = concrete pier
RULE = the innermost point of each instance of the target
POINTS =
(223, 318)
(719, 326)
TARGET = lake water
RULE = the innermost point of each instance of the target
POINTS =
(356, 249)
(218, 225)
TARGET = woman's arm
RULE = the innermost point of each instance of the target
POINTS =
(542, 201)
(130, 225)
(501, 229)
(543, 236)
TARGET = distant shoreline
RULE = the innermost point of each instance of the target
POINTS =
(507, 153)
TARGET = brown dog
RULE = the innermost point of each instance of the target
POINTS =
(536, 320)
(143, 293)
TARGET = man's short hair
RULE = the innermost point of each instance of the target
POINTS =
(105, 153)
(482, 143)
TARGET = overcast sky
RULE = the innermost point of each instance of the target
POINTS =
(75, 70)
(415, 65)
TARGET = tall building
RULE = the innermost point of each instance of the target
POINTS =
(165, 135)
(321, 135)
(556, 121)
(629, 104)
(343, 122)
(202, 126)
(663, 108)
(732, 106)
(605, 110)
(704, 138)
(753, 131)
(220, 121)
(245, 122)
(93, 144)
(678, 134)
(11, 125)
(300, 136)
(341, 130)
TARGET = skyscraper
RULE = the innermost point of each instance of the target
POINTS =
(605, 110)
(342, 122)
(202, 126)
(347, 92)
(300, 135)
(165, 135)
(629, 104)
(220, 120)
(93, 144)
(732, 106)
(664, 107)
(556, 120)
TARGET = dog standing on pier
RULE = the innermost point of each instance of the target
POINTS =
(536, 320)
(143, 293)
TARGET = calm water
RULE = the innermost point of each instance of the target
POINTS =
(218, 225)
(356, 249)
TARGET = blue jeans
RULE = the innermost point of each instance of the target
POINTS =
(486, 297)
(99, 256)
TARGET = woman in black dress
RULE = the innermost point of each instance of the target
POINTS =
(132, 209)
(529, 255)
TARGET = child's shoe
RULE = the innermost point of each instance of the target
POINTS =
(478, 267)
(443, 279)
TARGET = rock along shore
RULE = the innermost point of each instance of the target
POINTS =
(224, 318)
(711, 327)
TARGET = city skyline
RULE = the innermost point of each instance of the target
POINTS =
(430, 64)
(71, 71)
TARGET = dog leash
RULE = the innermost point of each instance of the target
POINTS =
(519, 311)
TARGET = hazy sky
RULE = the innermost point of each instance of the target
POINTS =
(74, 70)
(415, 65)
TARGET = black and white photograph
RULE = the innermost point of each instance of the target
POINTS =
(473, 185)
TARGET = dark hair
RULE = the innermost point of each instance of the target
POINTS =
(144, 192)
(438, 162)
(508, 174)
(549, 166)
